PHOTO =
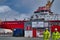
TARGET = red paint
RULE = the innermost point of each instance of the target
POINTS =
(54, 20)
(29, 28)
(13, 24)
(41, 32)
(34, 32)
(41, 8)
(55, 26)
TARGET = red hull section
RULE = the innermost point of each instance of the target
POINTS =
(13, 24)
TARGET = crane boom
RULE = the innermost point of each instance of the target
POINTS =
(49, 3)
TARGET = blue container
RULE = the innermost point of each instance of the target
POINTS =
(18, 32)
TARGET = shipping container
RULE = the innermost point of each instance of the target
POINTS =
(18, 32)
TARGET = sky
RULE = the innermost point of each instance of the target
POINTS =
(20, 9)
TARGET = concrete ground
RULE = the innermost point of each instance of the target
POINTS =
(19, 38)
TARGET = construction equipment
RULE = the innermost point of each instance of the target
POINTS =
(49, 4)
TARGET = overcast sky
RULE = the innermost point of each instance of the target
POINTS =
(19, 9)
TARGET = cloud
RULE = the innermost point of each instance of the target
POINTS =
(23, 5)
(27, 6)
(9, 14)
(4, 9)
(32, 5)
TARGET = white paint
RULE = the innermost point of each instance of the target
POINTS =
(37, 24)
(39, 34)
(46, 24)
(28, 33)
(5, 31)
